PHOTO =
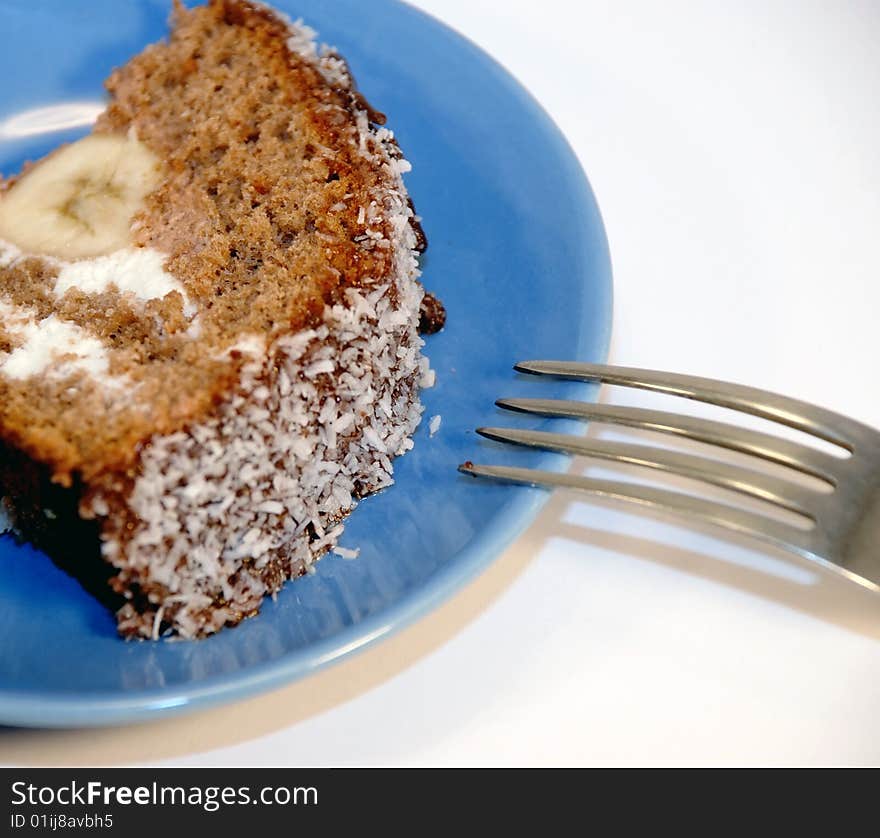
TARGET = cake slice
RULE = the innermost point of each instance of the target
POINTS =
(209, 315)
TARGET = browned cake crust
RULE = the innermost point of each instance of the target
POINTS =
(283, 216)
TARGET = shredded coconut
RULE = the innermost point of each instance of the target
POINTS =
(5, 517)
(217, 504)
(434, 424)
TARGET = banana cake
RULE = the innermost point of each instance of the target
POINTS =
(209, 313)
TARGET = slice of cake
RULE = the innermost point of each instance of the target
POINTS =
(209, 317)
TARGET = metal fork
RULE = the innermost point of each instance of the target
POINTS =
(842, 527)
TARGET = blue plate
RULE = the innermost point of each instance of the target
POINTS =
(518, 255)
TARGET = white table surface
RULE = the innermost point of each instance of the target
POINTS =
(733, 148)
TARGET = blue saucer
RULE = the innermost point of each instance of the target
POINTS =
(518, 255)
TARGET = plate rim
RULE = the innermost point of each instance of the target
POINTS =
(33, 709)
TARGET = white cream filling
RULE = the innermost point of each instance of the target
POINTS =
(49, 344)
(63, 348)
(139, 271)
(135, 270)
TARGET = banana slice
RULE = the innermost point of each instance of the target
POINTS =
(80, 200)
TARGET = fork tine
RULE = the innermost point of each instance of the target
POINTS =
(766, 446)
(728, 517)
(762, 486)
(809, 418)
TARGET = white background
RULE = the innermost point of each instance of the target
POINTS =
(733, 148)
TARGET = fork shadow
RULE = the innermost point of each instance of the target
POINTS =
(827, 595)
(829, 598)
